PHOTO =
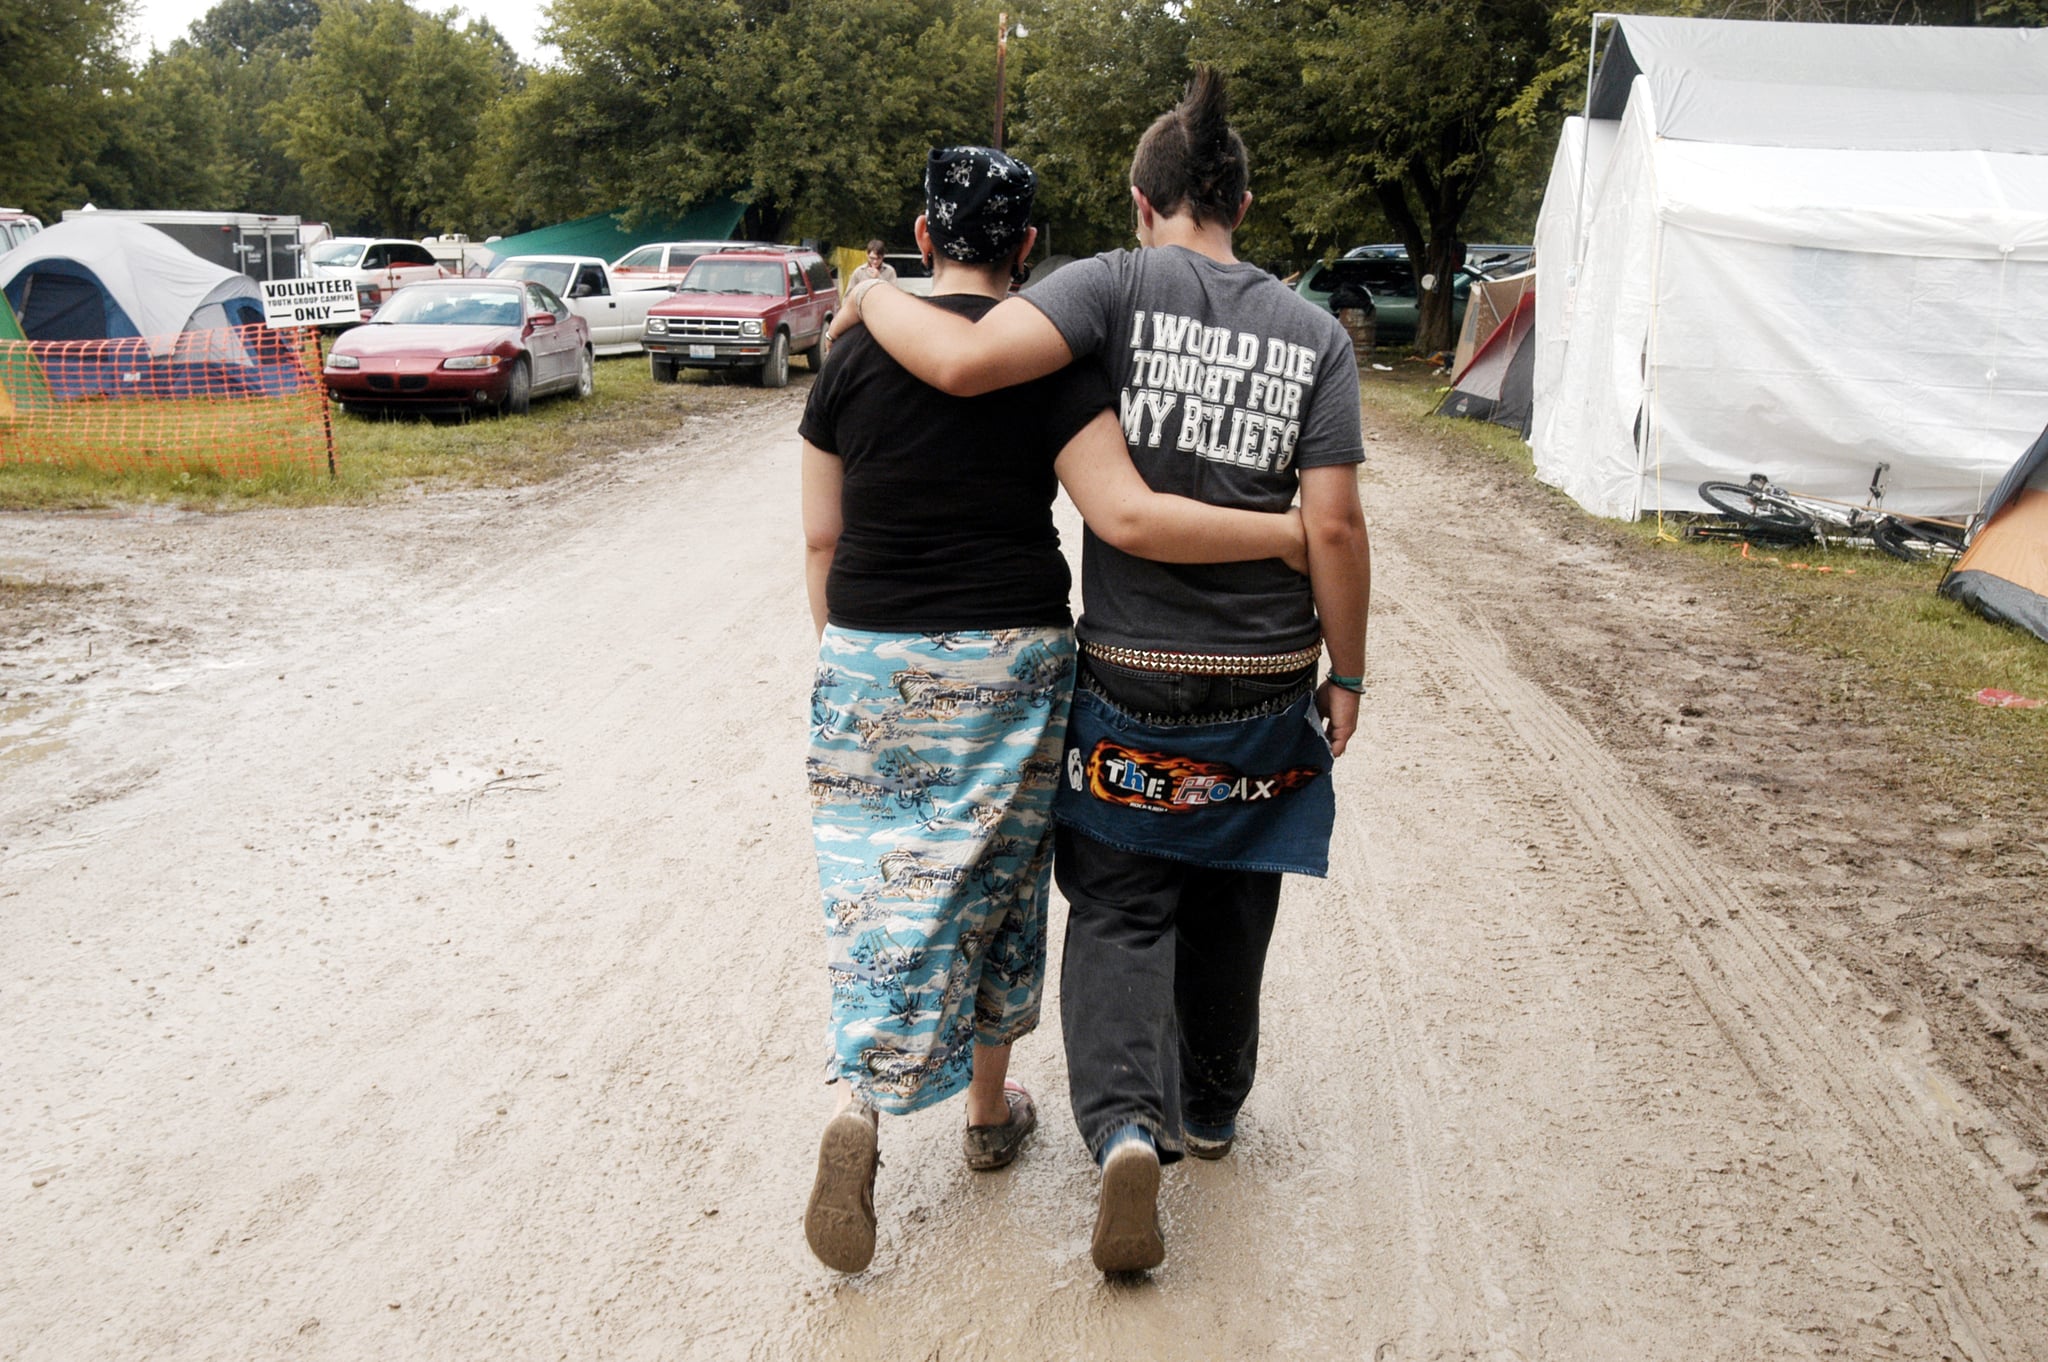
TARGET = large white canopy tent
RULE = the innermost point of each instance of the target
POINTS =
(1798, 249)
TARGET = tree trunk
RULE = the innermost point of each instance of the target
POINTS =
(764, 222)
(1435, 329)
(1435, 253)
(1426, 252)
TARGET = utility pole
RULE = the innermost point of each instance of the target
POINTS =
(1002, 53)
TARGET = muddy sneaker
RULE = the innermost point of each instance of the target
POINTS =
(1127, 1237)
(840, 1221)
(1207, 1142)
(992, 1147)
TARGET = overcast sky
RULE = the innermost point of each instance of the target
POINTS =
(156, 22)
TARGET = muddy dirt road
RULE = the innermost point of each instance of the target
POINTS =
(411, 952)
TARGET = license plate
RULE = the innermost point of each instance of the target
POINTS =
(703, 352)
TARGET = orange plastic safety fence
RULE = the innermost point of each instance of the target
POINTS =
(237, 401)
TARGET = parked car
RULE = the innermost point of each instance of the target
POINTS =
(744, 310)
(663, 263)
(463, 345)
(912, 274)
(380, 267)
(17, 227)
(615, 311)
(1488, 258)
(1396, 306)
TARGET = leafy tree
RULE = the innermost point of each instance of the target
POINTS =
(164, 143)
(855, 100)
(383, 113)
(251, 48)
(61, 57)
(244, 28)
(1100, 74)
(815, 115)
(648, 110)
(1399, 108)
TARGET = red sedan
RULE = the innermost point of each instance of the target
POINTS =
(463, 344)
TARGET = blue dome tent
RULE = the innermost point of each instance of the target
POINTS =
(189, 324)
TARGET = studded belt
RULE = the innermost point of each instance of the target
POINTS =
(1204, 664)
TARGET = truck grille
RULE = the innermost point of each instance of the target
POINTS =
(704, 328)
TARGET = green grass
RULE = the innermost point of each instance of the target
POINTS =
(1877, 621)
(376, 456)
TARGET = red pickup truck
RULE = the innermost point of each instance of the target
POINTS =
(744, 310)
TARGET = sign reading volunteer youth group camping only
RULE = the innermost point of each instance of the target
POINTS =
(310, 302)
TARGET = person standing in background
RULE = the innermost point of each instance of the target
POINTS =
(875, 268)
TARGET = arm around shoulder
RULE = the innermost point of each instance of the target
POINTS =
(1013, 344)
(1096, 469)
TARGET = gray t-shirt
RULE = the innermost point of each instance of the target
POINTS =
(1229, 384)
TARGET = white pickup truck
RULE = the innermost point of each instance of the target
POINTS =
(617, 314)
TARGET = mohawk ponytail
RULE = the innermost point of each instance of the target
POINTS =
(1192, 158)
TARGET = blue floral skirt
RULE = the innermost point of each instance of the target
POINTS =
(932, 764)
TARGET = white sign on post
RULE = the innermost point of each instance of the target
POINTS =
(319, 301)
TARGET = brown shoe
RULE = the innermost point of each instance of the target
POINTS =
(839, 1223)
(991, 1147)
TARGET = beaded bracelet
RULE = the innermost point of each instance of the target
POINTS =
(1354, 684)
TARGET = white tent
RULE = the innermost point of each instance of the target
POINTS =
(1803, 250)
(93, 277)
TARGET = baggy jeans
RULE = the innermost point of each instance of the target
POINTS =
(1159, 984)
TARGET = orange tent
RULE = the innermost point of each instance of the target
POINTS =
(2003, 575)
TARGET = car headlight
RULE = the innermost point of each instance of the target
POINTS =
(472, 362)
(657, 326)
(750, 328)
(343, 362)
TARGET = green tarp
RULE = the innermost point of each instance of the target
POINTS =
(605, 236)
(22, 384)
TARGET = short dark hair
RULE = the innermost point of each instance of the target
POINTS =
(1192, 156)
(876, 248)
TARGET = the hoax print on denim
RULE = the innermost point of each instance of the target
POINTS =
(1242, 789)
(932, 762)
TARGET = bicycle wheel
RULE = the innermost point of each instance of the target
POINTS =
(1760, 512)
(1915, 541)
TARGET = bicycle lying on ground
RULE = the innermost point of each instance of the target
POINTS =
(1764, 512)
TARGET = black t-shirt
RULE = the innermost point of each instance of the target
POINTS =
(947, 505)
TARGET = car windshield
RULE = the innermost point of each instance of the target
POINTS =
(553, 273)
(757, 278)
(452, 307)
(1385, 278)
(341, 253)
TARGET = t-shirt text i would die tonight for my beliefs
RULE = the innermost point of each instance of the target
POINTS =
(1240, 396)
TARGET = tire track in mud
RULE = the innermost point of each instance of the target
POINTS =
(565, 1050)
(1493, 973)
(1514, 1101)
(1875, 1150)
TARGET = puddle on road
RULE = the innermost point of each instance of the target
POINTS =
(27, 731)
